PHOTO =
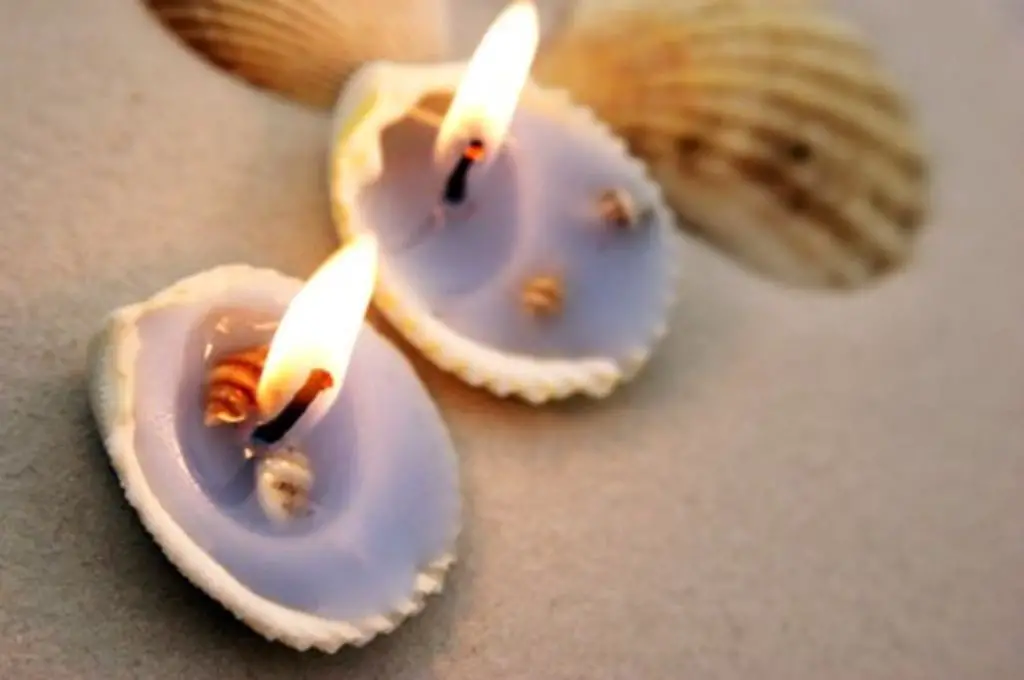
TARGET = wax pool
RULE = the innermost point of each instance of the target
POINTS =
(532, 213)
(385, 499)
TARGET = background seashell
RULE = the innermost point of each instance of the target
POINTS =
(306, 49)
(771, 126)
(302, 49)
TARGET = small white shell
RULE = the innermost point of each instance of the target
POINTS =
(771, 126)
(283, 482)
(377, 95)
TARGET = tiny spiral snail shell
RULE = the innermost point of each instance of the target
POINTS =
(544, 295)
(618, 208)
(231, 387)
(283, 482)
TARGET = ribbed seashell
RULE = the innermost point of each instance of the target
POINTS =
(306, 49)
(283, 482)
(771, 125)
(231, 386)
(303, 49)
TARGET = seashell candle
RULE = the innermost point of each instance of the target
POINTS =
(773, 129)
(247, 426)
(522, 248)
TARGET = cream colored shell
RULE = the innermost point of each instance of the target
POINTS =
(770, 124)
(112, 384)
(283, 482)
(306, 49)
(381, 93)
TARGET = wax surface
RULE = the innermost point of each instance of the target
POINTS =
(385, 494)
(532, 213)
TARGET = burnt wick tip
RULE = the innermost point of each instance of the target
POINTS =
(275, 429)
(455, 187)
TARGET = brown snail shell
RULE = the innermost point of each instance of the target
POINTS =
(771, 126)
(231, 386)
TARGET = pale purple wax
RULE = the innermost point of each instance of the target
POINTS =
(386, 494)
(532, 212)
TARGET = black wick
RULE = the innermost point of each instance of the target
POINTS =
(455, 188)
(274, 430)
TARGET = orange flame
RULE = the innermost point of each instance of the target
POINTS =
(320, 327)
(486, 99)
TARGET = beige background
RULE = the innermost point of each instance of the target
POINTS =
(800, 486)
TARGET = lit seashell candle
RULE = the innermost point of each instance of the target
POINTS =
(245, 417)
(522, 248)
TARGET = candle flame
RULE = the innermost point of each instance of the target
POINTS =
(486, 99)
(320, 327)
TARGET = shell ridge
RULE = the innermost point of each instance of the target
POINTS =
(774, 130)
(302, 49)
(797, 97)
(280, 23)
(734, 237)
(844, 75)
(782, 25)
(255, 50)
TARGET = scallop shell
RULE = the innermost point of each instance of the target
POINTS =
(356, 160)
(305, 49)
(113, 379)
(771, 126)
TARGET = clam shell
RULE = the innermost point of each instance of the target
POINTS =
(380, 94)
(112, 383)
(305, 49)
(771, 126)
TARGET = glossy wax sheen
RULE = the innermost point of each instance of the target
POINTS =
(385, 491)
(532, 211)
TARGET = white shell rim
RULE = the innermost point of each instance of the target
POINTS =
(358, 155)
(112, 353)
